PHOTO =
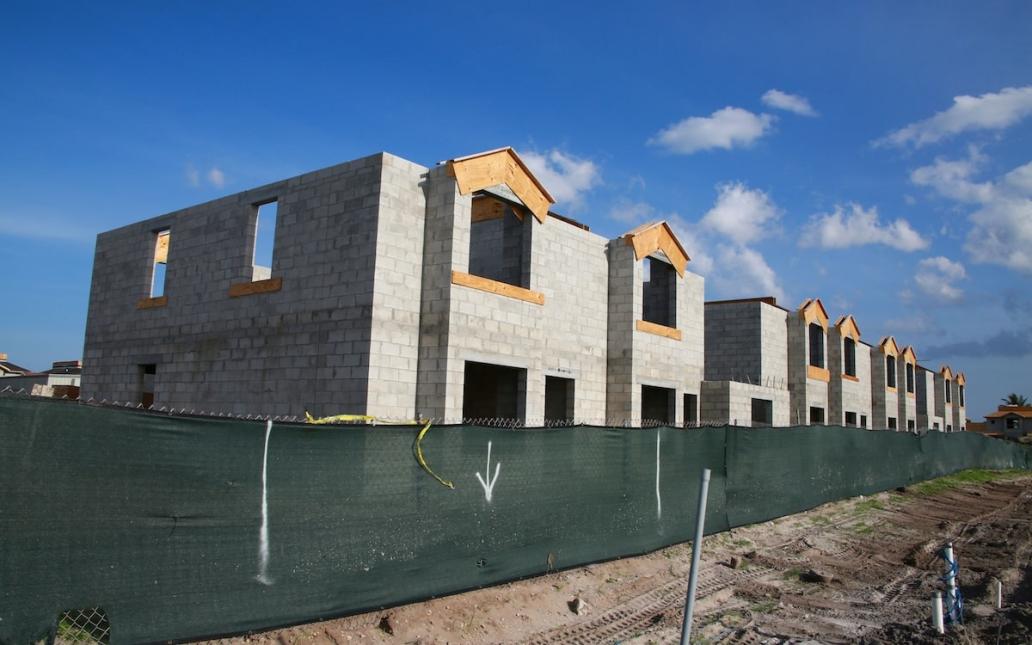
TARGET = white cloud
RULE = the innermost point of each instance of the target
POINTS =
(953, 178)
(744, 273)
(43, 228)
(937, 278)
(853, 225)
(192, 176)
(216, 177)
(565, 176)
(1020, 179)
(630, 212)
(741, 214)
(990, 111)
(694, 244)
(726, 128)
(790, 102)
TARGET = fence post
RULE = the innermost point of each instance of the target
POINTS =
(693, 576)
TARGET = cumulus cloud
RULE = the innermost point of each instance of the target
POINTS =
(990, 111)
(937, 277)
(741, 214)
(565, 176)
(853, 225)
(789, 102)
(1001, 231)
(193, 177)
(1009, 343)
(694, 243)
(745, 273)
(726, 128)
(44, 228)
(630, 212)
(216, 178)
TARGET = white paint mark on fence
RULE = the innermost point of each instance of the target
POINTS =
(659, 500)
(263, 533)
(489, 485)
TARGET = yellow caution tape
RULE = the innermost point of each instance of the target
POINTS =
(342, 418)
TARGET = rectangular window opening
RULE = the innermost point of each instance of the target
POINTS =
(949, 427)
(935, 426)
(863, 420)
(949, 394)
(146, 373)
(910, 378)
(559, 393)
(851, 418)
(161, 240)
(494, 393)
(816, 345)
(762, 412)
(816, 414)
(911, 425)
(691, 410)
(849, 356)
(264, 240)
(892, 423)
(499, 241)
(657, 405)
(659, 292)
(961, 396)
(890, 371)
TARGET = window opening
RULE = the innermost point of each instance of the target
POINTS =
(691, 410)
(816, 414)
(264, 240)
(949, 394)
(850, 418)
(161, 240)
(146, 373)
(863, 420)
(659, 292)
(657, 405)
(890, 371)
(762, 412)
(892, 423)
(910, 424)
(910, 378)
(559, 394)
(499, 241)
(961, 396)
(849, 352)
(816, 345)
(494, 392)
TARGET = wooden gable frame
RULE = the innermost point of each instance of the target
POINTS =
(502, 166)
(658, 236)
(812, 311)
(909, 355)
(888, 346)
(848, 328)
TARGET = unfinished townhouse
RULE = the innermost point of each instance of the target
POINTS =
(849, 367)
(906, 391)
(383, 287)
(808, 374)
(959, 402)
(884, 390)
(944, 397)
(926, 415)
(746, 363)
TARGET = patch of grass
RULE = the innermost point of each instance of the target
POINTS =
(868, 505)
(820, 520)
(964, 478)
(792, 574)
(863, 528)
(742, 542)
(763, 607)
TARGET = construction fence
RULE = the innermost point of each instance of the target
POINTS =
(171, 527)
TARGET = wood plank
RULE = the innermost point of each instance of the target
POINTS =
(817, 373)
(849, 377)
(152, 303)
(256, 287)
(658, 330)
(161, 248)
(497, 288)
(486, 208)
(501, 167)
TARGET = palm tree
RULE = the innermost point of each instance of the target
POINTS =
(1015, 399)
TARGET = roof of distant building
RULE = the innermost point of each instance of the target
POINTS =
(1008, 410)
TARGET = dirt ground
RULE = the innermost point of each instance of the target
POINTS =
(860, 570)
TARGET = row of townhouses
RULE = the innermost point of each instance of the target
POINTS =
(386, 288)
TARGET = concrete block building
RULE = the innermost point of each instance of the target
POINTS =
(808, 374)
(746, 363)
(849, 367)
(959, 402)
(906, 391)
(926, 416)
(396, 290)
(944, 393)
(884, 385)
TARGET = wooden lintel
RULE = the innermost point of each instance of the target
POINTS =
(850, 377)
(818, 373)
(252, 288)
(498, 288)
(152, 303)
(658, 330)
(487, 208)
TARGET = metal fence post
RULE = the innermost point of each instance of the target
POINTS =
(693, 576)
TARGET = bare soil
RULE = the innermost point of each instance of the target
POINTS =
(860, 570)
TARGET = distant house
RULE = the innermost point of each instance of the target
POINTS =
(61, 380)
(8, 369)
(1012, 421)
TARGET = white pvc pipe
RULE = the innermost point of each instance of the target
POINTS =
(693, 576)
(998, 593)
(937, 622)
(951, 584)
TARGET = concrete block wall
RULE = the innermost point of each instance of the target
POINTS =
(926, 417)
(846, 394)
(304, 346)
(959, 411)
(884, 399)
(906, 402)
(746, 341)
(804, 392)
(731, 402)
(944, 409)
(637, 358)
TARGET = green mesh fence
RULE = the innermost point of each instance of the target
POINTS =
(159, 521)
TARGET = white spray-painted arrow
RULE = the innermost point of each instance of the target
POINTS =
(489, 485)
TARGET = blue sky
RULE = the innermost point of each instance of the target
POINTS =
(800, 149)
